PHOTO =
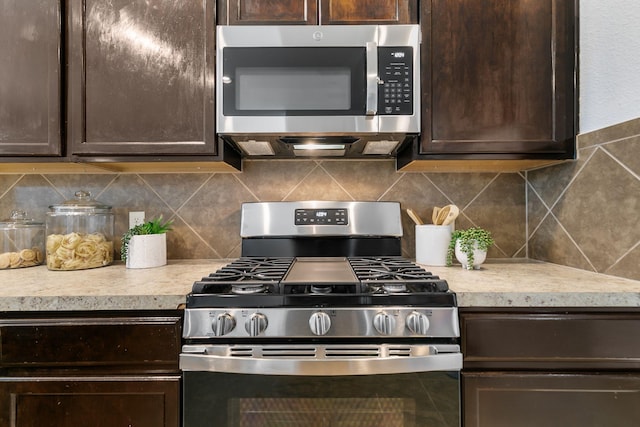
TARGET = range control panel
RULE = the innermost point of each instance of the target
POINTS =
(395, 90)
(321, 217)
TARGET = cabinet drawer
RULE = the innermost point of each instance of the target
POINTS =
(569, 341)
(150, 341)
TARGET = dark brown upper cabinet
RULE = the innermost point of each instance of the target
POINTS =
(141, 77)
(498, 80)
(30, 78)
(315, 12)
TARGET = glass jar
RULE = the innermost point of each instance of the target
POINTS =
(79, 234)
(21, 241)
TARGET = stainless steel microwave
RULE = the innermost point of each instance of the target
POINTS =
(336, 83)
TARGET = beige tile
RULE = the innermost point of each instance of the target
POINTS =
(318, 185)
(214, 212)
(552, 244)
(461, 188)
(273, 180)
(184, 243)
(69, 184)
(363, 180)
(501, 209)
(626, 151)
(550, 182)
(31, 193)
(610, 133)
(416, 192)
(628, 266)
(536, 210)
(600, 210)
(177, 188)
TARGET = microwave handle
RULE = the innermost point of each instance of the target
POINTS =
(372, 79)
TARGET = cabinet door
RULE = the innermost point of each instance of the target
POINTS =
(498, 78)
(115, 343)
(368, 12)
(504, 399)
(141, 77)
(90, 401)
(30, 77)
(265, 12)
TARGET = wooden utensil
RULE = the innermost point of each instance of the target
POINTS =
(414, 216)
(452, 215)
(442, 215)
(434, 215)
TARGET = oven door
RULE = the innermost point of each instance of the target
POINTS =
(286, 387)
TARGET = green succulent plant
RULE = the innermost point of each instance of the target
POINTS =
(154, 226)
(468, 240)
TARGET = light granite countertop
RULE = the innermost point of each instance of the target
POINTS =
(497, 284)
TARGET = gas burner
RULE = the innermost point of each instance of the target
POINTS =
(248, 289)
(400, 288)
(320, 289)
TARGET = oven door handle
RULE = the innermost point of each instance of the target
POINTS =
(216, 359)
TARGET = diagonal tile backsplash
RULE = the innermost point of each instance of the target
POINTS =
(581, 214)
(206, 207)
(585, 214)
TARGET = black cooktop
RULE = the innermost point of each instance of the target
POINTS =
(320, 281)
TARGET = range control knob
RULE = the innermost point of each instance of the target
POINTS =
(222, 324)
(256, 324)
(320, 323)
(384, 323)
(418, 323)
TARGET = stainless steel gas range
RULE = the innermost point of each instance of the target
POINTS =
(321, 322)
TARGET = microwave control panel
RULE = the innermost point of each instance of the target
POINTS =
(395, 90)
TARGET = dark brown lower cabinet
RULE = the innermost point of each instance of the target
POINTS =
(148, 401)
(98, 369)
(525, 399)
(551, 367)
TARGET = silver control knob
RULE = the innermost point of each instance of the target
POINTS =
(320, 323)
(418, 323)
(256, 324)
(222, 324)
(384, 323)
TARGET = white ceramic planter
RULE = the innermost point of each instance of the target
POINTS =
(147, 251)
(479, 256)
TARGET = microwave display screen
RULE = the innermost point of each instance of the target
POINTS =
(294, 81)
(293, 88)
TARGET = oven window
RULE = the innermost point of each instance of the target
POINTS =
(294, 81)
(347, 412)
(428, 399)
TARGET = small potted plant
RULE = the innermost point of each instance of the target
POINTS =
(145, 245)
(470, 247)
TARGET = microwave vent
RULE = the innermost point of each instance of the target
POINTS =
(256, 148)
(383, 147)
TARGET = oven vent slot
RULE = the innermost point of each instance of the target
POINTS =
(356, 351)
(321, 352)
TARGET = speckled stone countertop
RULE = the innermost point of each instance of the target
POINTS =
(497, 284)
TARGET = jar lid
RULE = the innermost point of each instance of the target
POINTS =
(19, 219)
(81, 203)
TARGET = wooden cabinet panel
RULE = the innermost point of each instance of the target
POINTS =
(141, 77)
(30, 43)
(314, 12)
(95, 401)
(368, 12)
(504, 399)
(498, 78)
(281, 12)
(567, 341)
(129, 343)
